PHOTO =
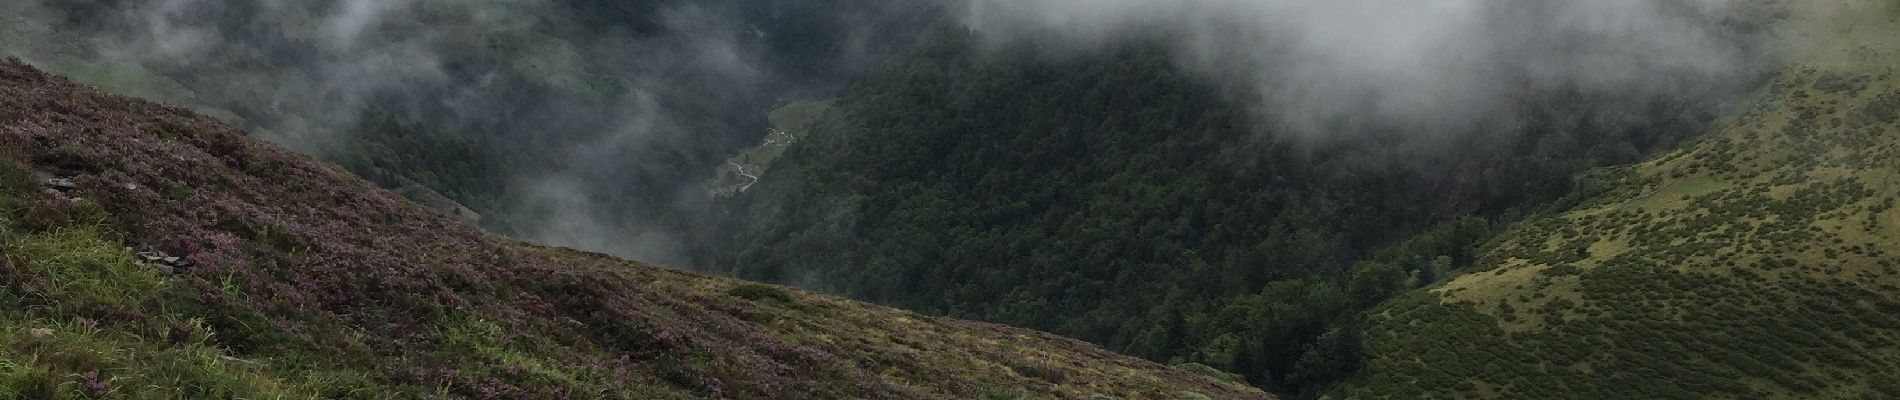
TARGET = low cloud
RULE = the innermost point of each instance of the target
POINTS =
(610, 118)
(1321, 68)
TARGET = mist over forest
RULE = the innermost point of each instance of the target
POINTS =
(573, 122)
(1255, 190)
(1324, 69)
(591, 123)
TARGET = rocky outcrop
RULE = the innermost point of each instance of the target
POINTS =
(165, 263)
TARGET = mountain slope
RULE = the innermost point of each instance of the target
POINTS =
(300, 281)
(1119, 198)
(1757, 263)
(585, 123)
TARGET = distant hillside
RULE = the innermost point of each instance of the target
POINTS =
(1760, 262)
(293, 279)
(546, 118)
(1118, 198)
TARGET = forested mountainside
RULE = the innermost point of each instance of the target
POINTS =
(148, 252)
(578, 122)
(1341, 199)
(1116, 198)
(1759, 262)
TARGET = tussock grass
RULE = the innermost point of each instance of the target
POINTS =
(77, 312)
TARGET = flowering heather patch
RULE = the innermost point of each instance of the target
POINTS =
(304, 281)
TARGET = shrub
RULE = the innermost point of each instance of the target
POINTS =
(1211, 372)
(760, 292)
(1039, 370)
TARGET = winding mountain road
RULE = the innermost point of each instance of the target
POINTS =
(741, 169)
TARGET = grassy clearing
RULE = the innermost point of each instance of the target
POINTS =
(800, 116)
(789, 123)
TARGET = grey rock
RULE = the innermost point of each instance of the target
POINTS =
(60, 184)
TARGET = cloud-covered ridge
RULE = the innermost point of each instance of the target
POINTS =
(1323, 67)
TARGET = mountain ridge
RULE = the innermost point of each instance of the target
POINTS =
(304, 281)
(1755, 262)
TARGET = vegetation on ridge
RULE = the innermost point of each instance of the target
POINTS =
(1759, 262)
(305, 282)
(1116, 198)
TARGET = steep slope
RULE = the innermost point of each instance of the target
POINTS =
(297, 280)
(1757, 263)
(1119, 198)
(545, 117)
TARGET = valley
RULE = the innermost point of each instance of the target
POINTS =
(300, 280)
(788, 122)
(956, 199)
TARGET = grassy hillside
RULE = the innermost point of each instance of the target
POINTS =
(1760, 262)
(1118, 198)
(305, 282)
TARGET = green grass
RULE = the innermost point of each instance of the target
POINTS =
(56, 351)
(1751, 264)
(79, 319)
(78, 268)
